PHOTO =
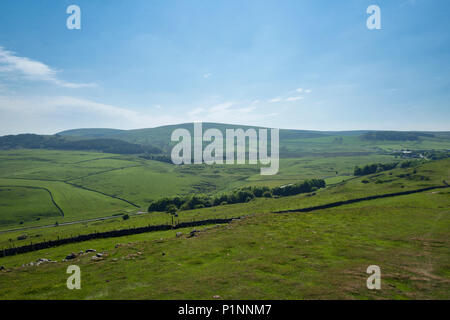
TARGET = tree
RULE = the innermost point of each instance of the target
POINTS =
(172, 209)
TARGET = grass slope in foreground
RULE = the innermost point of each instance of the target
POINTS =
(288, 256)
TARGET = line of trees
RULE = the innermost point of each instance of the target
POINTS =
(245, 194)
(379, 167)
(374, 168)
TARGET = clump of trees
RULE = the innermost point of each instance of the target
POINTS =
(409, 163)
(301, 187)
(436, 154)
(242, 195)
(374, 168)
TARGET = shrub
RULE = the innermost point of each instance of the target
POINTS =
(267, 194)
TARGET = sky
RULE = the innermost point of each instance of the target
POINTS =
(311, 65)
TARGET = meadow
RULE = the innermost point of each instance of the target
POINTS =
(87, 185)
(321, 254)
(396, 180)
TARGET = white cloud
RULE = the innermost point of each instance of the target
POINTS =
(277, 99)
(48, 115)
(230, 112)
(33, 70)
(207, 75)
(53, 114)
(290, 99)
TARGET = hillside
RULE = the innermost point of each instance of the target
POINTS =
(57, 142)
(293, 143)
(318, 255)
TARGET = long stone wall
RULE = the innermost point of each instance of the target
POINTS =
(107, 234)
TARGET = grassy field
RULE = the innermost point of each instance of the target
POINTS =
(322, 254)
(397, 180)
(34, 204)
(87, 185)
(76, 203)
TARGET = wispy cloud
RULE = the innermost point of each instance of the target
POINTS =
(302, 90)
(207, 75)
(33, 70)
(49, 114)
(290, 99)
(277, 99)
(230, 112)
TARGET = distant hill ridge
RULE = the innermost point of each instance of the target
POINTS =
(293, 143)
(160, 136)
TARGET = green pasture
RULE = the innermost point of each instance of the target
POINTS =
(317, 255)
(397, 180)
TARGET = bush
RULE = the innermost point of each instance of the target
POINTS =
(125, 217)
(267, 194)
(409, 163)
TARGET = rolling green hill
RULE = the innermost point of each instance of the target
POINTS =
(56, 142)
(322, 254)
(293, 143)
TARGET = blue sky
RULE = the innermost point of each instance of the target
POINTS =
(286, 64)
